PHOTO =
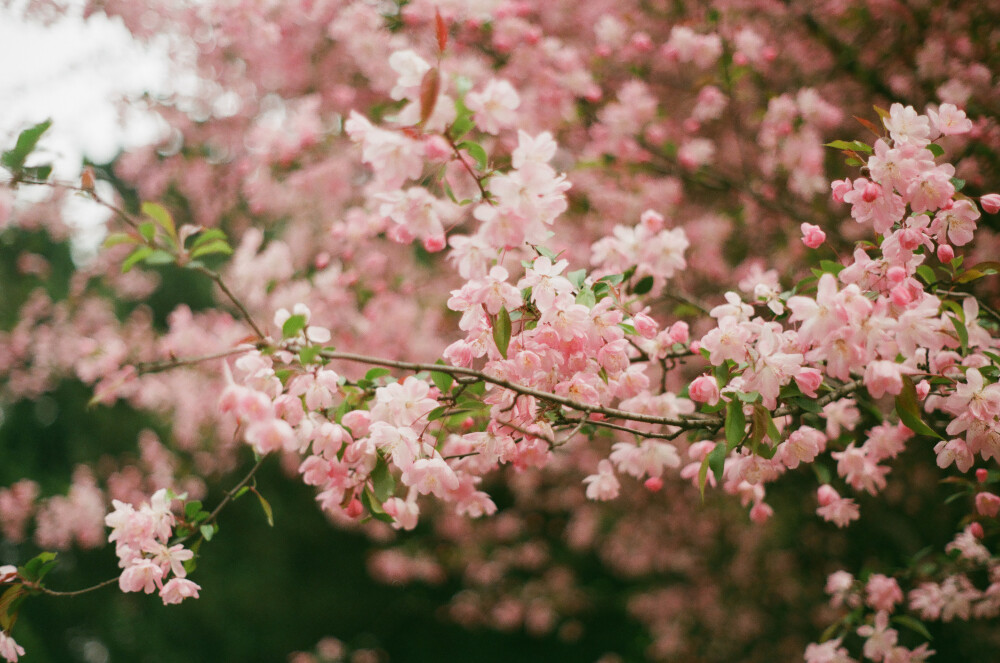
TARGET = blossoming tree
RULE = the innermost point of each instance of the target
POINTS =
(592, 261)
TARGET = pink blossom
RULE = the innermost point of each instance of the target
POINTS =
(883, 592)
(990, 202)
(836, 509)
(495, 106)
(987, 504)
(9, 648)
(176, 590)
(812, 236)
(604, 485)
(704, 389)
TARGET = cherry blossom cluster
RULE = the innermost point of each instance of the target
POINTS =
(145, 554)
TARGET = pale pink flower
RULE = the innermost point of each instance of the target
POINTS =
(176, 590)
(883, 592)
(495, 106)
(9, 648)
(604, 485)
(812, 236)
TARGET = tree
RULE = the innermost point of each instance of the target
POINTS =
(614, 225)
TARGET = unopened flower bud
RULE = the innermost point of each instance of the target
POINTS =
(976, 530)
(945, 253)
(990, 203)
(982, 474)
(354, 509)
(653, 484)
(87, 179)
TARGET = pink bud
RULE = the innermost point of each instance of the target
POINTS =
(988, 504)
(468, 423)
(945, 253)
(812, 236)
(901, 296)
(990, 203)
(769, 53)
(827, 495)
(653, 484)
(691, 125)
(976, 530)
(872, 192)
(809, 380)
(679, 332)
(704, 389)
(923, 388)
(695, 346)
(602, 51)
(982, 474)
(760, 512)
(740, 59)
(652, 220)
(896, 274)
(645, 325)
(354, 509)
(434, 244)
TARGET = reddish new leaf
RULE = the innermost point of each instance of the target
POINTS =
(429, 86)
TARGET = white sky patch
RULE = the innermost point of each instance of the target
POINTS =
(77, 73)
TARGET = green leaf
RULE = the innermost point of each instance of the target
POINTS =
(612, 279)
(935, 149)
(644, 285)
(963, 333)
(207, 236)
(477, 152)
(114, 239)
(831, 267)
(913, 624)
(542, 251)
(215, 246)
(501, 331)
(853, 146)
(138, 255)
(927, 274)
(191, 509)
(587, 298)
(293, 325)
(377, 372)
(856, 163)
(308, 354)
(958, 184)
(160, 257)
(264, 504)
(443, 381)
(10, 601)
(735, 424)
(577, 278)
(36, 568)
(38, 172)
(461, 126)
(703, 475)
(26, 141)
(374, 507)
(382, 482)
(207, 531)
(717, 461)
(909, 411)
(161, 216)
